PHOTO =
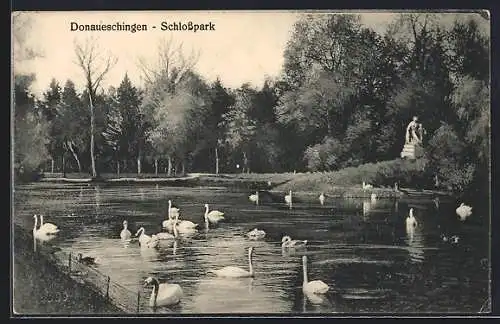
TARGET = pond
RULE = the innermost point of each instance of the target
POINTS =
(360, 248)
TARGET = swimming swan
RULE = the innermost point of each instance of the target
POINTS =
(367, 186)
(47, 228)
(172, 211)
(125, 233)
(322, 199)
(184, 227)
(146, 240)
(411, 221)
(237, 272)
(287, 242)
(163, 294)
(213, 216)
(256, 234)
(254, 197)
(463, 211)
(312, 287)
(288, 199)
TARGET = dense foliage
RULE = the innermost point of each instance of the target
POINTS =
(344, 99)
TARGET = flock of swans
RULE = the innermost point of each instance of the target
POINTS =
(166, 294)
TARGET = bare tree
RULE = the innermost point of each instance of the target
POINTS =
(171, 63)
(95, 66)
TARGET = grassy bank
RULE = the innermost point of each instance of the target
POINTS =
(40, 287)
(343, 183)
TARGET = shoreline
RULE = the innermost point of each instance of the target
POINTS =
(40, 287)
(272, 183)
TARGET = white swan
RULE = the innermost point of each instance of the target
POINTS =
(125, 233)
(168, 224)
(254, 197)
(367, 186)
(287, 242)
(288, 199)
(213, 216)
(48, 228)
(322, 199)
(36, 232)
(463, 211)
(146, 240)
(172, 211)
(312, 287)
(256, 234)
(237, 272)
(184, 226)
(411, 221)
(163, 294)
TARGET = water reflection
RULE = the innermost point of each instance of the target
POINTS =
(415, 241)
(363, 274)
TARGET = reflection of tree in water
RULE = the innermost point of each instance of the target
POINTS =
(97, 201)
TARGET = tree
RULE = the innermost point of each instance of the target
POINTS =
(165, 105)
(95, 67)
(74, 123)
(30, 129)
(127, 103)
(51, 109)
(240, 127)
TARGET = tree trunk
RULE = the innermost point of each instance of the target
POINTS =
(70, 146)
(63, 166)
(51, 165)
(156, 167)
(92, 127)
(216, 160)
(139, 164)
(169, 168)
(183, 168)
(246, 168)
(125, 165)
(118, 167)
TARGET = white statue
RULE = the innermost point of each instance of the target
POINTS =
(414, 132)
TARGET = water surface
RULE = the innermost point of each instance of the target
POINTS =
(360, 248)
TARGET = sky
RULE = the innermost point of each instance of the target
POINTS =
(244, 47)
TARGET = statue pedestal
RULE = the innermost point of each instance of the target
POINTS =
(412, 151)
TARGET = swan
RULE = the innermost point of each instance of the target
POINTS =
(322, 199)
(463, 211)
(237, 272)
(256, 234)
(125, 233)
(48, 228)
(146, 240)
(411, 221)
(288, 199)
(367, 186)
(163, 294)
(213, 216)
(37, 232)
(184, 226)
(312, 287)
(172, 211)
(168, 224)
(287, 242)
(86, 260)
(254, 197)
